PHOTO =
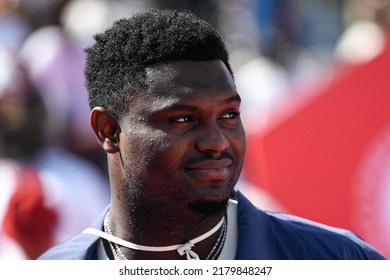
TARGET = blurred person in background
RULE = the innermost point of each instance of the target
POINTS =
(43, 188)
(366, 31)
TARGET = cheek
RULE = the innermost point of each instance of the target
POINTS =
(153, 163)
(238, 142)
(146, 148)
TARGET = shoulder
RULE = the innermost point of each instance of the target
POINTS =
(294, 237)
(80, 247)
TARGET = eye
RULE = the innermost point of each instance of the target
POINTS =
(182, 119)
(230, 115)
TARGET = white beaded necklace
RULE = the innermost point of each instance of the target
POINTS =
(180, 248)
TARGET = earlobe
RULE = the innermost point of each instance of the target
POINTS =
(106, 129)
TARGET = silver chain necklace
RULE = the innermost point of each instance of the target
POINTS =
(214, 253)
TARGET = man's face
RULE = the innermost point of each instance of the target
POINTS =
(182, 142)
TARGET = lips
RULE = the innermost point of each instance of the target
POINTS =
(210, 170)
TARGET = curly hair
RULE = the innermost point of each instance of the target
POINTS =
(116, 63)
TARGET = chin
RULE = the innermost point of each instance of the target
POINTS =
(210, 204)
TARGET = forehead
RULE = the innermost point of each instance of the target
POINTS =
(186, 81)
(191, 75)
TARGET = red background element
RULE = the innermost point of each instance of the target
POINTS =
(28, 220)
(308, 159)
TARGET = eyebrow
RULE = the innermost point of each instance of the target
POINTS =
(234, 98)
(184, 107)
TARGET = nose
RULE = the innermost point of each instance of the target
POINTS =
(212, 139)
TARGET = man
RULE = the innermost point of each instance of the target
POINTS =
(166, 111)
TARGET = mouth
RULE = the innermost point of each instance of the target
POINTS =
(210, 170)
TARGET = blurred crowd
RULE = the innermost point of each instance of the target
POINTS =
(53, 179)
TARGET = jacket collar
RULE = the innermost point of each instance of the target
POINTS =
(255, 236)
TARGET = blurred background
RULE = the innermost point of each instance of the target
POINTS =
(313, 76)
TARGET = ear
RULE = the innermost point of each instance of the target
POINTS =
(106, 129)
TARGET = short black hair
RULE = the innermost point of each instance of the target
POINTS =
(116, 62)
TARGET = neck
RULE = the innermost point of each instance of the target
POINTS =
(186, 248)
(150, 228)
(160, 230)
(162, 222)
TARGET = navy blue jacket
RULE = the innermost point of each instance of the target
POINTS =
(261, 236)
